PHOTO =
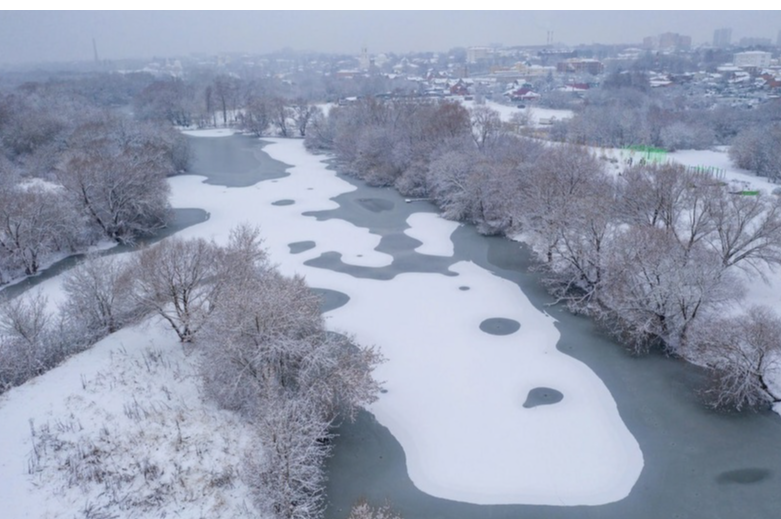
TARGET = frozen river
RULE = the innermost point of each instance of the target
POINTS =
(496, 405)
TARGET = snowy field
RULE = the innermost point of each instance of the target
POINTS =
(456, 394)
(537, 114)
(121, 431)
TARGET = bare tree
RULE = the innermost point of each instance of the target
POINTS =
(266, 340)
(180, 280)
(583, 246)
(551, 192)
(116, 174)
(288, 481)
(266, 354)
(256, 117)
(450, 183)
(742, 353)
(654, 194)
(756, 149)
(170, 100)
(748, 229)
(302, 114)
(99, 292)
(35, 221)
(486, 124)
(320, 132)
(225, 92)
(25, 339)
(281, 114)
(363, 510)
(655, 289)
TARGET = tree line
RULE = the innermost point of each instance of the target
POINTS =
(657, 254)
(625, 111)
(72, 174)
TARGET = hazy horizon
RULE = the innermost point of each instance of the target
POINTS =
(60, 36)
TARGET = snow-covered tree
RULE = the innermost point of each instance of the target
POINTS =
(267, 355)
(266, 340)
(288, 481)
(756, 149)
(742, 354)
(302, 114)
(35, 221)
(180, 280)
(26, 348)
(363, 510)
(552, 190)
(748, 229)
(116, 173)
(654, 289)
(256, 116)
(99, 296)
(486, 124)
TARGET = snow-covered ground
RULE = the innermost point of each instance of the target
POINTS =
(455, 393)
(121, 431)
(213, 132)
(537, 115)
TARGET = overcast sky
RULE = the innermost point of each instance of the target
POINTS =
(35, 36)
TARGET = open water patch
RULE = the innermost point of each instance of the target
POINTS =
(500, 326)
(178, 219)
(376, 205)
(286, 201)
(301, 246)
(330, 299)
(744, 476)
(542, 396)
(235, 161)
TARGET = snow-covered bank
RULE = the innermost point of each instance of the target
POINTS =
(121, 430)
(537, 114)
(212, 132)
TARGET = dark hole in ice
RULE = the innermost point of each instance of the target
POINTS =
(375, 205)
(542, 396)
(330, 299)
(300, 246)
(283, 202)
(463, 288)
(500, 326)
(744, 476)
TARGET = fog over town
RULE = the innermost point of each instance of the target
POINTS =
(390, 264)
(41, 36)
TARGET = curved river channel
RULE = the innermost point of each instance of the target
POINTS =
(586, 431)
(696, 462)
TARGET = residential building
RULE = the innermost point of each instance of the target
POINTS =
(753, 58)
(722, 37)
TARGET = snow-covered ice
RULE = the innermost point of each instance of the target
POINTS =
(455, 393)
(433, 232)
